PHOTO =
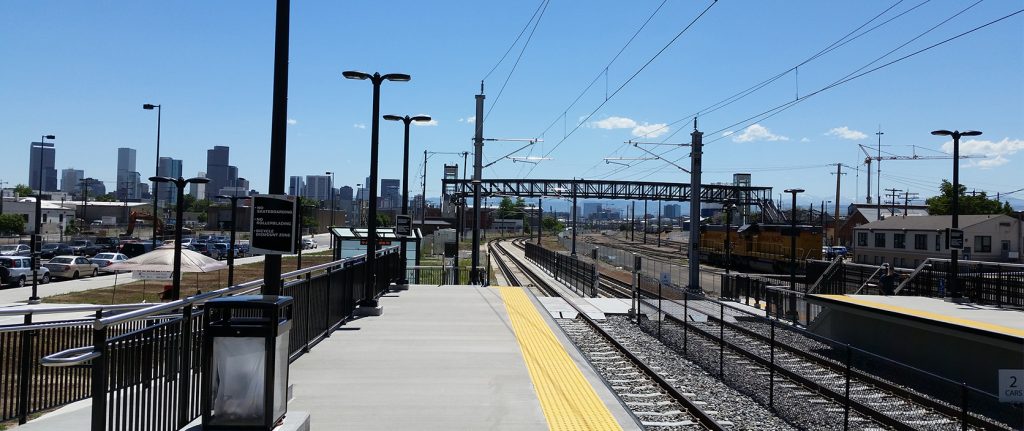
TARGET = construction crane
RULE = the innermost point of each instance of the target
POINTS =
(868, 158)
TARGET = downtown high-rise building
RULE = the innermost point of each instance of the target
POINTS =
(167, 193)
(49, 172)
(671, 211)
(318, 188)
(390, 194)
(296, 186)
(198, 190)
(128, 178)
(69, 179)
(219, 171)
(345, 196)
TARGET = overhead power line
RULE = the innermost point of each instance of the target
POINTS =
(520, 57)
(515, 42)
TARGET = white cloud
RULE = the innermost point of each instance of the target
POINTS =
(650, 130)
(727, 133)
(995, 152)
(846, 133)
(614, 123)
(470, 120)
(359, 126)
(292, 122)
(757, 132)
(805, 140)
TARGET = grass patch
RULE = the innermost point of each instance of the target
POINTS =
(132, 291)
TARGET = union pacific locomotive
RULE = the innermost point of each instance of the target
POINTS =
(760, 247)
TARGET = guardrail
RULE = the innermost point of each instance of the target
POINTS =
(579, 275)
(142, 368)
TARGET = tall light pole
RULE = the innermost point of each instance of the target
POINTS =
(376, 79)
(234, 227)
(180, 183)
(156, 172)
(330, 186)
(36, 242)
(2, 184)
(404, 281)
(954, 271)
(792, 253)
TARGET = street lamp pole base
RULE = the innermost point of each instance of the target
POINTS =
(400, 285)
(34, 300)
(368, 307)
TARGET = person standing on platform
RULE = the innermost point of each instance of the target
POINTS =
(887, 279)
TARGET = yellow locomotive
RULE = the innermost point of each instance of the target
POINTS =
(760, 247)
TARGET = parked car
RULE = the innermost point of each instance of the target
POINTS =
(840, 250)
(136, 248)
(55, 249)
(83, 247)
(71, 267)
(103, 260)
(17, 271)
(218, 250)
(308, 243)
(15, 250)
(107, 244)
(201, 248)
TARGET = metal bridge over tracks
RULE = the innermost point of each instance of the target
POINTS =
(602, 189)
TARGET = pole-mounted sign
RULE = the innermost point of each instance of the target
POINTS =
(273, 224)
(955, 239)
(403, 225)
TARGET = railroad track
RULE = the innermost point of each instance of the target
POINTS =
(813, 365)
(650, 396)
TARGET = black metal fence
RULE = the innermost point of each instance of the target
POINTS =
(999, 284)
(142, 368)
(579, 275)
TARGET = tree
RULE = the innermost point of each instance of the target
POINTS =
(22, 190)
(969, 204)
(383, 220)
(552, 224)
(11, 224)
(190, 202)
(505, 208)
(109, 197)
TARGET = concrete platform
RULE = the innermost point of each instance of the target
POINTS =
(961, 342)
(441, 358)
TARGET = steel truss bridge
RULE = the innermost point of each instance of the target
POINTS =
(602, 189)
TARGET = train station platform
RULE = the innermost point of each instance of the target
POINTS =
(454, 357)
(962, 342)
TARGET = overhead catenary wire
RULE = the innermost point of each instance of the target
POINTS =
(516, 42)
(544, 7)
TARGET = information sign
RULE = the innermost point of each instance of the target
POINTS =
(955, 239)
(403, 225)
(666, 278)
(273, 224)
(1011, 386)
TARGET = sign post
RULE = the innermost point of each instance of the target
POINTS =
(273, 224)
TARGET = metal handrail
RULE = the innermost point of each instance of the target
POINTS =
(29, 309)
(69, 357)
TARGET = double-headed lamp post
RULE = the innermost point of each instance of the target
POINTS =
(792, 254)
(156, 171)
(371, 221)
(404, 281)
(180, 183)
(234, 227)
(36, 242)
(954, 270)
(330, 188)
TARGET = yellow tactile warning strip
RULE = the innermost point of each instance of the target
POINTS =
(567, 398)
(928, 315)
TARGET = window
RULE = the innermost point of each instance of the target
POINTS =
(862, 238)
(899, 240)
(879, 239)
(938, 242)
(983, 244)
(920, 242)
(1005, 245)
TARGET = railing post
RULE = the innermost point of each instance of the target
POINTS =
(327, 306)
(99, 379)
(721, 340)
(660, 316)
(686, 322)
(25, 371)
(309, 315)
(771, 367)
(963, 406)
(807, 312)
(185, 368)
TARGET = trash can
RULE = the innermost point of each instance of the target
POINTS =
(245, 362)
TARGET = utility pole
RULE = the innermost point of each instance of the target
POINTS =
(423, 196)
(645, 222)
(478, 154)
(907, 197)
(632, 222)
(892, 200)
(835, 217)
(659, 224)
(697, 144)
(878, 176)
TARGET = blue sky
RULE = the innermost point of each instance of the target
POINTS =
(82, 70)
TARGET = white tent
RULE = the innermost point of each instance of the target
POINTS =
(162, 259)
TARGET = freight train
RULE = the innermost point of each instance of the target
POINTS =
(759, 247)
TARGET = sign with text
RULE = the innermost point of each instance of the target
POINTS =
(403, 225)
(1011, 386)
(955, 239)
(273, 224)
(152, 275)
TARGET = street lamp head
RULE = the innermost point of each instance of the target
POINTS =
(390, 117)
(161, 179)
(198, 180)
(50, 137)
(398, 77)
(794, 191)
(226, 197)
(423, 118)
(942, 132)
(970, 133)
(149, 106)
(328, 173)
(352, 74)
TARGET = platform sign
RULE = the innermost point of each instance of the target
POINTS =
(955, 239)
(666, 278)
(1011, 386)
(403, 225)
(273, 224)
